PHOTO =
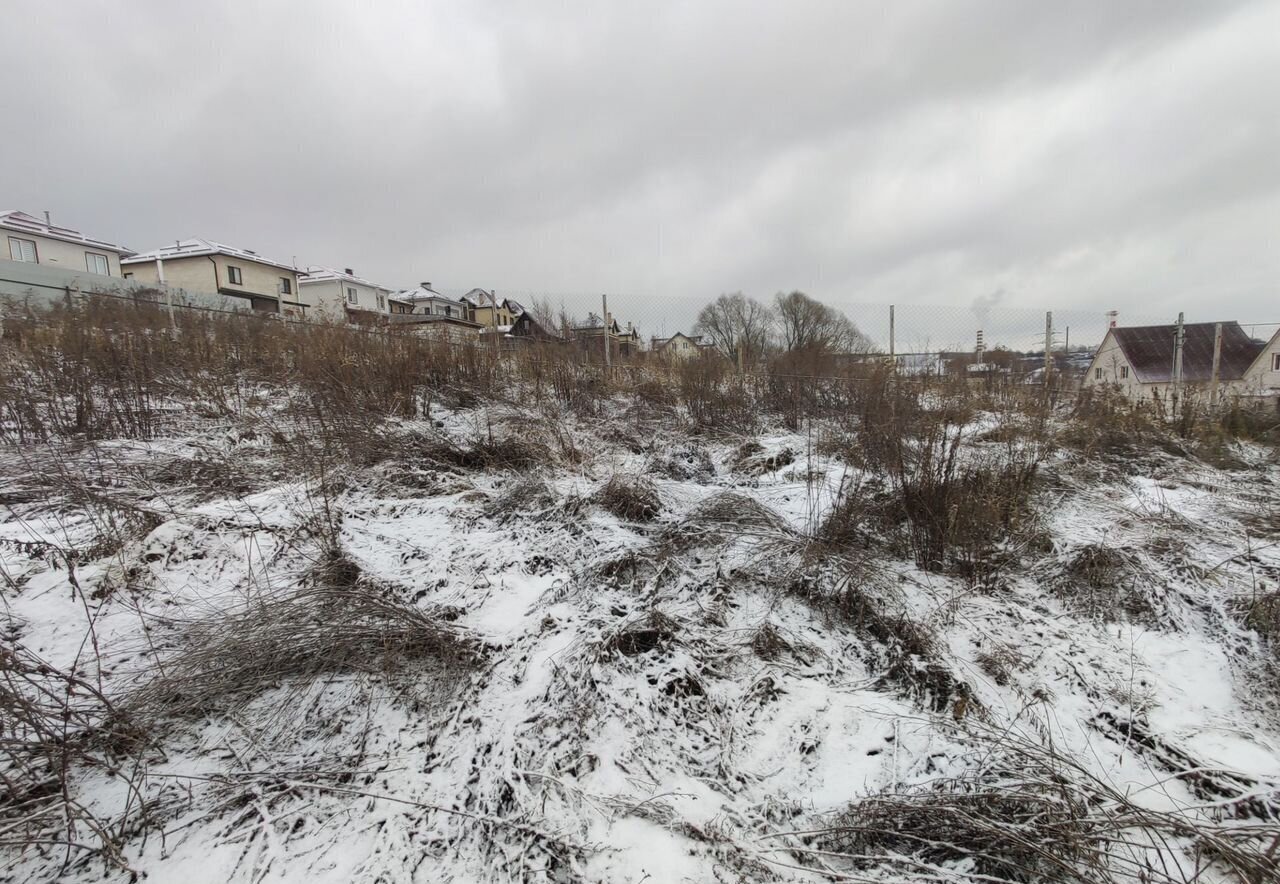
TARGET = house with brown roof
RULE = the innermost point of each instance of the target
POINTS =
(1139, 360)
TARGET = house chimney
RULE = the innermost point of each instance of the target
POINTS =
(425, 285)
(47, 222)
(349, 271)
(1112, 316)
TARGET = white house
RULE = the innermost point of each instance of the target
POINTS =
(1139, 360)
(34, 240)
(426, 301)
(341, 296)
(201, 265)
(679, 346)
(1262, 378)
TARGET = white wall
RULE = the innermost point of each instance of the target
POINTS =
(57, 253)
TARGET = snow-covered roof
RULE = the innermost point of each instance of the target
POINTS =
(194, 248)
(424, 292)
(329, 274)
(21, 222)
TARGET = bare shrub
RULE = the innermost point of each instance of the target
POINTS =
(634, 500)
(53, 723)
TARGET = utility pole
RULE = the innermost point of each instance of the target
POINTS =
(1048, 346)
(1178, 339)
(891, 331)
(1217, 362)
(604, 306)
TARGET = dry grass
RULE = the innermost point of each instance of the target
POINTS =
(633, 500)
(1107, 583)
(1028, 814)
(341, 624)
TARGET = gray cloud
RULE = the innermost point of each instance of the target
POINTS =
(1094, 155)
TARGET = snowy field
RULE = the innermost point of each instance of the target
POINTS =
(433, 666)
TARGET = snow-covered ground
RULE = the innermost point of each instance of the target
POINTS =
(657, 701)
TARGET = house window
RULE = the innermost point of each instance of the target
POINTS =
(95, 263)
(1275, 361)
(286, 286)
(22, 250)
(382, 302)
(352, 297)
(1097, 374)
(233, 275)
(1124, 372)
(128, 276)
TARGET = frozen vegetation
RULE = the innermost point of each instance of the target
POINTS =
(522, 622)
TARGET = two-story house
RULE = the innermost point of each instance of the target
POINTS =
(201, 265)
(32, 240)
(341, 296)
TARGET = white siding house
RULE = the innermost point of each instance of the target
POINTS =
(33, 240)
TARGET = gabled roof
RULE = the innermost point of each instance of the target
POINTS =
(659, 343)
(479, 298)
(21, 222)
(1150, 350)
(194, 248)
(424, 292)
(328, 274)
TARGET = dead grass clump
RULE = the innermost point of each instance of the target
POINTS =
(653, 632)
(1101, 582)
(912, 654)
(527, 494)
(481, 454)
(1000, 662)
(634, 500)
(1029, 814)
(769, 643)
(1107, 424)
(203, 474)
(1261, 613)
(687, 463)
(343, 626)
(724, 515)
(750, 459)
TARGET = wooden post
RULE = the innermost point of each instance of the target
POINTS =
(1217, 363)
(604, 306)
(1179, 337)
(1048, 346)
(891, 334)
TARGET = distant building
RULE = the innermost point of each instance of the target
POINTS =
(1139, 360)
(33, 240)
(202, 265)
(426, 301)
(679, 346)
(487, 310)
(341, 296)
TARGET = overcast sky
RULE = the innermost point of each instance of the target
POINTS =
(1026, 155)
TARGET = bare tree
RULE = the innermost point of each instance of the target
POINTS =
(810, 325)
(736, 322)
